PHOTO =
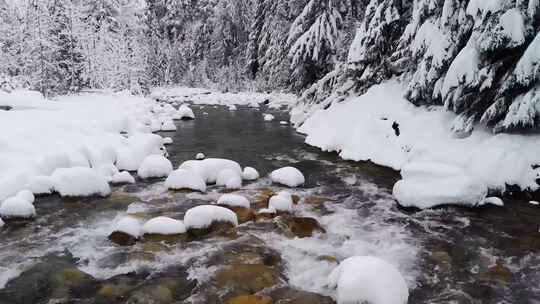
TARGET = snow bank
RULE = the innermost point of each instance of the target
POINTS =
(368, 279)
(209, 168)
(138, 147)
(129, 225)
(164, 225)
(17, 207)
(40, 185)
(26, 195)
(383, 127)
(122, 178)
(281, 202)
(79, 181)
(250, 174)
(203, 216)
(233, 200)
(288, 176)
(155, 166)
(184, 112)
(229, 179)
(168, 125)
(185, 179)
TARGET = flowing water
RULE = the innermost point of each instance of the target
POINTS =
(446, 255)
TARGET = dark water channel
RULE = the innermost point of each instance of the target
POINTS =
(450, 255)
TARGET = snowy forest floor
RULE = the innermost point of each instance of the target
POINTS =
(465, 255)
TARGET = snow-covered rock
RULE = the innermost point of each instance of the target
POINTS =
(122, 178)
(232, 108)
(281, 202)
(167, 141)
(250, 174)
(40, 185)
(368, 279)
(495, 201)
(1, 223)
(129, 225)
(155, 166)
(164, 225)
(229, 179)
(288, 176)
(184, 112)
(233, 200)
(283, 122)
(200, 156)
(201, 217)
(209, 168)
(185, 179)
(79, 181)
(267, 210)
(268, 117)
(17, 207)
(168, 125)
(138, 147)
(26, 195)
(535, 203)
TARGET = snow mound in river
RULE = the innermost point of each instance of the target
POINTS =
(369, 279)
(281, 202)
(80, 181)
(233, 200)
(184, 112)
(164, 225)
(250, 174)
(201, 217)
(229, 178)
(155, 166)
(17, 207)
(210, 168)
(122, 178)
(185, 179)
(129, 225)
(288, 176)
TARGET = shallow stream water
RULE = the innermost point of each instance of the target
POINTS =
(448, 255)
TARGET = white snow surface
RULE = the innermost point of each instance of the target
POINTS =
(288, 176)
(17, 207)
(164, 225)
(26, 195)
(229, 179)
(268, 117)
(250, 174)
(155, 166)
(80, 181)
(87, 130)
(129, 225)
(281, 202)
(203, 216)
(1, 223)
(233, 200)
(200, 156)
(369, 279)
(210, 168)
(122, 178)
(437, 167)
(185, 179)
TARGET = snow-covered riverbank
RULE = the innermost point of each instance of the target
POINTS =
(437, 166)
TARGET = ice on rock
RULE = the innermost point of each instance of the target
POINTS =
(185, 179)
(138, 147)
(40, 185)
(209, 168)
(26, 195)
(233, 200)
(17, 207)
(288, 176)
(167, 141)
(368, 279)
(79, 181)
(200, 156)
(155, 166)
(164, 225)
(184, 112)
(168, 125)
(281, 202)
(250, 174)
(201, 217)
(123, 178)
(129, 225)
(229, 179)
(268, 117)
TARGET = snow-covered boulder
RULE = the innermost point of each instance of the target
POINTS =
(155, 166)
(288, 176)
(282, 202)
(155, 125)
(167, 141)
(17, 207)
(184, 112)
(368, 279)
(40, 185)
(202, 217)
(200, 156)
(168, 125)
(209, 168)
(26, 195)
(79, 181)
(138, 147)
(229, 179)
(233, 200)
(123, 178)
(232, 108)
(495, 201)
(185, 179)
(129, 225)
(164, 226)
(268, 117)
(1, 223)
(250, 174)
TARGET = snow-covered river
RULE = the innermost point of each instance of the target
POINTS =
(451, 255)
